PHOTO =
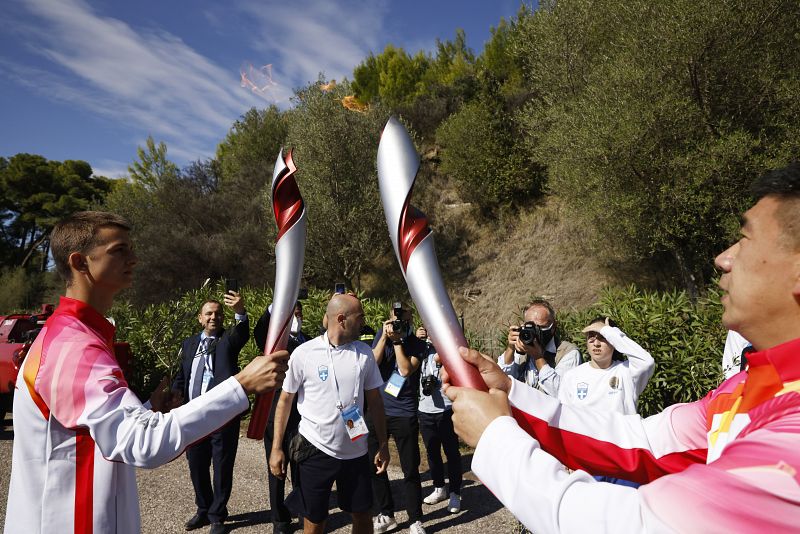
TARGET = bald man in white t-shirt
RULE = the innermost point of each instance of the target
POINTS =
(332, 375)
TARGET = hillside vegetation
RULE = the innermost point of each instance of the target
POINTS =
(590, 143)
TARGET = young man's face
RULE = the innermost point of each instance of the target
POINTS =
(759, 279)
(211, 317)
(111, 262)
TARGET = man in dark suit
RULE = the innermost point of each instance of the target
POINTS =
(209, 358)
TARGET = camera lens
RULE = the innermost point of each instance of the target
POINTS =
(428, 385)
(528, 333)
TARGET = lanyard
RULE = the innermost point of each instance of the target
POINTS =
(207, 344)
(339, 404)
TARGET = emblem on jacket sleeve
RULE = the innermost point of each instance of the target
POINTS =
(583, 390)
(322, 370)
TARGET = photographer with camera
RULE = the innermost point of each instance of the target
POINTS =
(436, 425)
(534, 354)
(399, 354)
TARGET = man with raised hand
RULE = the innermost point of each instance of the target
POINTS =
(79, 430)
(726, 463)
(209, 358)
(332, 375)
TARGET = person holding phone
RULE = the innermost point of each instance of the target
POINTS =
(209, 358)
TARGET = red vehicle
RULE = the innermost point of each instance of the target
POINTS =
(17, 333)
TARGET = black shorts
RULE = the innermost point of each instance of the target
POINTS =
(317, 473)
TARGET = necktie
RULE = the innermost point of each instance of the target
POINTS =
(202, 366)
(208, 352)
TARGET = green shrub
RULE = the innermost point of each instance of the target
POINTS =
(155, 332)
(686, 339)
(22, 291)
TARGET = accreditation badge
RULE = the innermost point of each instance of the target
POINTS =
(395, 384)
(354, 422)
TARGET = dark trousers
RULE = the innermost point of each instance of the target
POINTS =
(218, 448)
(281, 517)
(405, 431)
(437, 434)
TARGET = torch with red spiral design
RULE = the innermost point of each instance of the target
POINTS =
(412, 238)
(290, 245)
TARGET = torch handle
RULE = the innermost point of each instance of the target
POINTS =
(461, 372)
(464, 376)
(263, 404)
(260, 415)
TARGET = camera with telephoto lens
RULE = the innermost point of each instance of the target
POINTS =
(429, 384)
(529, 332)
(399, 325)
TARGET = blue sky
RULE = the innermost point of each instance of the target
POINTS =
(91, 80)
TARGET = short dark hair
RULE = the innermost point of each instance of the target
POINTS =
(78, 233)
(783, 182)
(784, 185)
(542, 303)
(602, 319)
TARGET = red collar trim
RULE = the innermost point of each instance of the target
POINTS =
(785, 358)
(87, 315)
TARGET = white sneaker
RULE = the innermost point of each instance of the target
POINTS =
(417, 528)
(454, 506)
(384, 523)
(438, 495)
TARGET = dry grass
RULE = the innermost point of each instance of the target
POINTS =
(542, 252)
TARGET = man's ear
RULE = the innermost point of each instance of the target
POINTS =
(77, 262)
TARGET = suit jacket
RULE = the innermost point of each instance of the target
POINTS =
(225, 360)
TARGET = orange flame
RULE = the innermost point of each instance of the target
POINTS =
(328, 86)
(350, 102)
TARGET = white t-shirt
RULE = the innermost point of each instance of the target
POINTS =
(616, 388)
(546, 379)
(312, 379)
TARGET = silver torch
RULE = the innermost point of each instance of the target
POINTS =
(290, 248)
(398, 163)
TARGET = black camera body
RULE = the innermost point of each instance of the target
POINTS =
(529, 332)
(429, 384)
(399, 325)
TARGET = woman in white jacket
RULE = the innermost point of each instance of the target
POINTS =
(608, 381)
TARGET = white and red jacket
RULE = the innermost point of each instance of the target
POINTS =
(727, 463)
(79, 431)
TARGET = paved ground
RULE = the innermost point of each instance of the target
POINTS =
(167, 500)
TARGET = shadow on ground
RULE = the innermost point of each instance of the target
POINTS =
(247, 519)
